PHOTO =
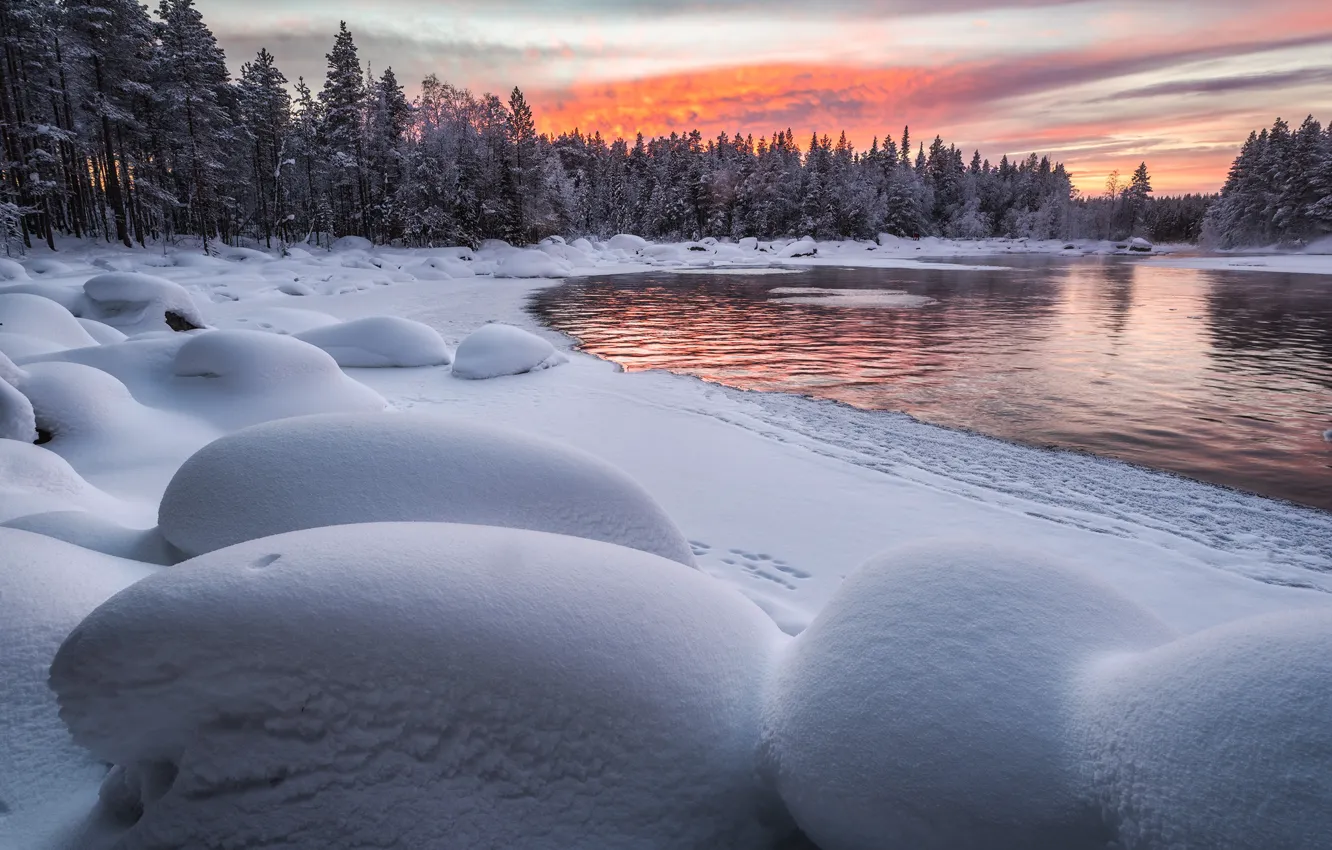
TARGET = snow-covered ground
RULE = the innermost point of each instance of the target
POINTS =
(773, 497)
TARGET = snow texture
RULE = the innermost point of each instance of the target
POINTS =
(495, 350)
(425, 685)
(380, 341)
(929, 704)
(316, 471)
(33, 480)
(17, 420)
(46, 588)
(1219, 740)
(91, 531)
(103, 333)
(135, 303)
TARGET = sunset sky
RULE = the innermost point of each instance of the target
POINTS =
(1098, 85)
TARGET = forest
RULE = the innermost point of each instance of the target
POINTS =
(129, 127)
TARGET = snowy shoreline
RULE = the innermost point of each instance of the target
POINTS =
(780, 497)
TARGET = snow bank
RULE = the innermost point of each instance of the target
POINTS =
(252, 376)
(329, 470)
(99, 534)
(930, 703)
(34, 316)
(425, 685)
(46, 588)
(1221, 739)
(135, 303)
(495, 350)
(380, 341)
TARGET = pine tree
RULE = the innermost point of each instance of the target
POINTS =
(266, 119)
(342, 111)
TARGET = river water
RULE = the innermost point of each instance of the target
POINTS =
(1220, 376)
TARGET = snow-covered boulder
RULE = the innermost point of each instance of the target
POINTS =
(10, 270)
(352, 243)
(800, 248)
(530, 262)
(443, 268)
(32, 315)
(135, 303)
(1139, 245)
(251, 376)
(380, 341)
(749, 243)
(329, 470)
(99, 534)
(626, 242)
(425, 685)
(495, 350)
(46, 588)
(17, 420)
(1221, 739)
(932, 703)
(103, 333)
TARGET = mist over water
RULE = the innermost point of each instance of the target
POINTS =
(1221, 376)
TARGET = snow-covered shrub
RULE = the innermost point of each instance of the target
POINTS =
(380, 341)
(135, 303)
(46, 588)
(496, 350)
(1221, 739)
(931, 704)
(34, 316)
(426, 685)
(329, 470)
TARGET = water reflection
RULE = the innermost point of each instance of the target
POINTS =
(1226, 377)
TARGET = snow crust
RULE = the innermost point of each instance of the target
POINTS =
(423, 685)
(496, 350)
(136, 303)
(930, 703)
(317, 471)
(380, 341)
(1221, 739)
(46, 588)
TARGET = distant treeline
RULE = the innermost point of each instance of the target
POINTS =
(121, 126)
(1279, 190)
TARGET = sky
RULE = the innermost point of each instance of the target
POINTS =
(1099, 86)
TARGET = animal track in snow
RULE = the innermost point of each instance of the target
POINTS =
(759, 565)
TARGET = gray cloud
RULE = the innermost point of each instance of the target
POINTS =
(1224, 85)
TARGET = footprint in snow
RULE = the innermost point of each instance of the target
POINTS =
(758, 565)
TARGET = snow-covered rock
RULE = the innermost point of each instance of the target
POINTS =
(329, 470)
(1139, 245)
(252, 376)
(425, 685)
(380, 341)
(33, 480)
(626, 242)
(931, 704)
(530, 262)
(32, 315)
(47, 267)
(103, 333)
(17, 420)
(46, 588)
(135, 303)
(99, 534)
(443, 268)
(805, 247)
(496, 349)
(10, 270)
(1221, 739)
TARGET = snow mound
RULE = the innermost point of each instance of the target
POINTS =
(929, 704)
(352, 243)
(33, 480)
(380, 341)
(104, 334)
(10, 270)
(432, 686)
(443, 268)
(1139, 245)
(530, 262)
(496, 349)
(135, 303)
(626, 242)
(48, 267)
(90, 531)
(46, 588)
(329, 470)
(9, 371)
(1221, 739)
(252, 376)
(17, 419)
(800, 248)
(34, 316)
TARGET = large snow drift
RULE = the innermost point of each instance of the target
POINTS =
(931, 704)
(328, 470)
(495, 350)
(379, 341)
(425, 685)
(1221, 740)
(46, 588)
